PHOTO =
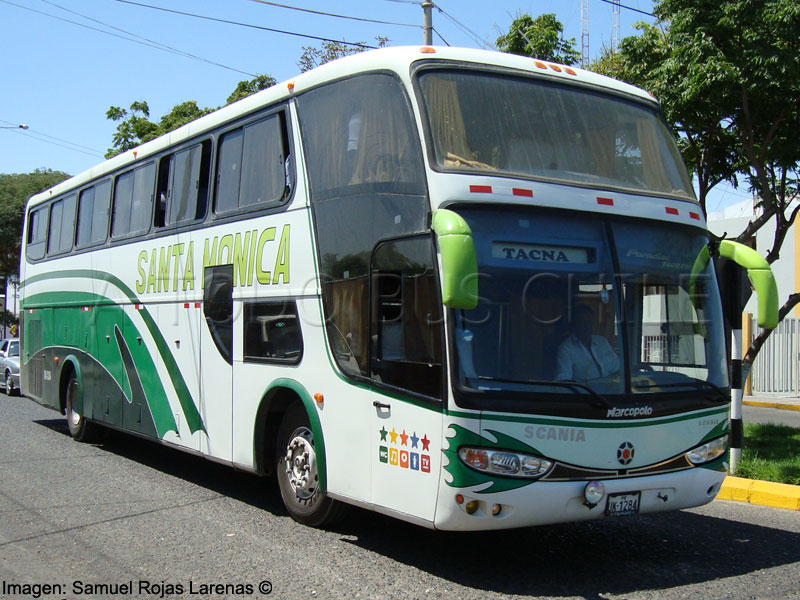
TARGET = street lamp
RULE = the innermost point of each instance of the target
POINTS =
(22, 126)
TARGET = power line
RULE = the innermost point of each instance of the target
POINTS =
(436, 31)
(135, 41)
(33, 134)
(149, 41)
(628, 8)
(475, 37)
(259, 27)
(327, 14)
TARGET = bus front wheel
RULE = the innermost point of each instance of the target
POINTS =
(298, 477)
(80, 429)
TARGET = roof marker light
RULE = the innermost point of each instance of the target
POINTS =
(694, 216)
(670, 210)
(427, 50)
(606, 201)
(570, 71)
(290, 86)
(555, 68)
(539, 64)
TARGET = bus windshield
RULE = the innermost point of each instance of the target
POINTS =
(582, 304)
(494, 123)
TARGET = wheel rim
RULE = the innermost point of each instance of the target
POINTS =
(301, 463)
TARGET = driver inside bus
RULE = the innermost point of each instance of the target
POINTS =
(583, 356)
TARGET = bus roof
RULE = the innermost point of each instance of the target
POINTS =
(397, 59)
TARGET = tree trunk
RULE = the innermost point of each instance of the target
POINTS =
(759, 340)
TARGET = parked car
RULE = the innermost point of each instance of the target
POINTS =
(9, 365)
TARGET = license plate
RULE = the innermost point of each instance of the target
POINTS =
(623, 504)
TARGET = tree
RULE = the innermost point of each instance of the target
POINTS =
(542, 38)
(135, 127)
(698, 117)
(728, 75)
(14, 193)
(247, 88)
(328, 51)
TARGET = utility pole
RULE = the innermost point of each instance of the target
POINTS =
(584, 33)
(427, 23)
(614, 25)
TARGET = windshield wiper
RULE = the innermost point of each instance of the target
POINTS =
(601, 402)
(698, 384)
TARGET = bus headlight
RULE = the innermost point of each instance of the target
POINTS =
(708, 452)
(502, 462)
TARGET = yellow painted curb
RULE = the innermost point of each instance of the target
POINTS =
(771, 405)
(764, 493)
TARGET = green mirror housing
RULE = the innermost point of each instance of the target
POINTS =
(761, 277)
(459, 261)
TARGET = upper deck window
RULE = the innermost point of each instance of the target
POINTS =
(360, 135)
(500, 124)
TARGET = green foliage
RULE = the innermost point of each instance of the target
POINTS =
(771, 453)
(542, 38)
(14, 193)
(728, 78)
(328, 51)
(247, 88)
(135, 127)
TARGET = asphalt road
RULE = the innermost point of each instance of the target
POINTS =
(758, 414)
(85, 518)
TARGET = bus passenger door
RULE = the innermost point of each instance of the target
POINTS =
(406, 354)
(216, 356)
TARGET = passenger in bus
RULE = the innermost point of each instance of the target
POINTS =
(583, 356)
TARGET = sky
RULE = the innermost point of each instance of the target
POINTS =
(65, 62)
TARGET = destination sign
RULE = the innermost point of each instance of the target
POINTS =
(542, 253)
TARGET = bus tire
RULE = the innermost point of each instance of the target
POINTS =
(296, 470)
(80, 429)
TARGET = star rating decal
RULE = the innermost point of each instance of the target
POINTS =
(413, 458)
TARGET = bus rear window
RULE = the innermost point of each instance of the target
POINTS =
(37, 233)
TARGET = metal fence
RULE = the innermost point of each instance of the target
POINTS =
(776, 365)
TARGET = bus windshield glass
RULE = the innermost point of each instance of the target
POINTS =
(524, 126)
(583, 305)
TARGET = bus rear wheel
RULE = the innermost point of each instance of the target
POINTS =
(80, 429)
(298, 477)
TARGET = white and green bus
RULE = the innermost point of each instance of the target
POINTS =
(467, 289)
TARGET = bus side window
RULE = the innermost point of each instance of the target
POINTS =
(405, 327)
(272, 332)
(133, 199)
(92, 225)
(37, 233)
(253, 166)
(62, 225)
(182, 192)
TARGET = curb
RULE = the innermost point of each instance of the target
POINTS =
(779, 405)
(763, 493)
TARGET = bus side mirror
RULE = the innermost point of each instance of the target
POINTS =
(459, 261)
(760, 275)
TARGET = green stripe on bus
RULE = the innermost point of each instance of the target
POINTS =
(155, 395)
(193, 418)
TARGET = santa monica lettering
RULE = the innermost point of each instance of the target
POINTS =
(257, 257)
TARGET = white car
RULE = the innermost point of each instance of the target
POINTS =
(9, 365)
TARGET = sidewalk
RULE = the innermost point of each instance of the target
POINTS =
(764, 493)
(767, 401)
